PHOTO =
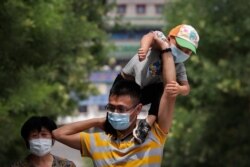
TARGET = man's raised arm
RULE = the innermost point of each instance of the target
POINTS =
(167, 102)
(70, 134)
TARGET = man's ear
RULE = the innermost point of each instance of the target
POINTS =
(139, 108)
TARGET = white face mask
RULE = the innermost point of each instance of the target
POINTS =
(40, 146)
(179, 56)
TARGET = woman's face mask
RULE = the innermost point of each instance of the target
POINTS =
(119, 121)
(179, 56)
(40, 146)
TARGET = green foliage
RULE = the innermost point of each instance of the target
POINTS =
(179, 147)
(47, 49)
(214, 118)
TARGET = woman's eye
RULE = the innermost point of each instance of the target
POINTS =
(34, 135)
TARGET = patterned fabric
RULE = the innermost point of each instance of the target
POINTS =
(57, 162)
(186, 36)
(108, 152)
(149, 71)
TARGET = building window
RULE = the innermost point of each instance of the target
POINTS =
(121, 9)
(83, 108)
(159, 9)
(140, 9)
(102, 107)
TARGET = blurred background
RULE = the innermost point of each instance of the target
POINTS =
(59, 58)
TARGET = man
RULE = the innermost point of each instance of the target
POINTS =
(114, 145)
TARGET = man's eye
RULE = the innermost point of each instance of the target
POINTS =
(121, 109)
(110, 108)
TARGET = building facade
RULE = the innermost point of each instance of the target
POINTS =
(129, 21)
(140, 13)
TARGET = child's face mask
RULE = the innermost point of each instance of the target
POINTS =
(179, 56)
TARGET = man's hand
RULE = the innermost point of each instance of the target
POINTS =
(173, 88)
(142, 53)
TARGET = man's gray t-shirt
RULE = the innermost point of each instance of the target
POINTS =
(149, 70)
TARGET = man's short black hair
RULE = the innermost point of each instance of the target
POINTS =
(36, 123)
(126, 87)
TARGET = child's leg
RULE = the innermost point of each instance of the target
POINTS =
(151, 94)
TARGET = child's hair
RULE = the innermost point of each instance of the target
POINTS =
(36, 123)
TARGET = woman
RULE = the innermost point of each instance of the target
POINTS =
(37, 134)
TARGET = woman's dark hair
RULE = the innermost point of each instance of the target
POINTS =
(120, 88)
(36, 123)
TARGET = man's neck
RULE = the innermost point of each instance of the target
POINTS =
(126, 133)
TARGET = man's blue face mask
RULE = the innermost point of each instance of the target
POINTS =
(179, 56)
(119, 121)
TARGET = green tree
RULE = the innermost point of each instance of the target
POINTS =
(211, 124)
(47, 49)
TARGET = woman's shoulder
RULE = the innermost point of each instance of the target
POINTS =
(62, 162)
(21, 163)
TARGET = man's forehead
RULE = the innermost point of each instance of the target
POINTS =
(120, 99)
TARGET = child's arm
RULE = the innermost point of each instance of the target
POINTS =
(174, 88)
(184, 88)
(148, 41)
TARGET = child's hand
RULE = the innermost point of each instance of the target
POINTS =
(161, 42)
(142, 53)
(173, 88)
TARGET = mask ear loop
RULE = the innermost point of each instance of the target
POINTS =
(135, 110)
(133, 138)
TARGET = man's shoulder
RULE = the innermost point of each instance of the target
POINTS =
(99, 133)
(157, 129)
